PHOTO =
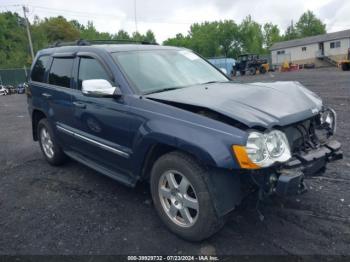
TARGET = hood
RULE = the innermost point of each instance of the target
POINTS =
(255, 104)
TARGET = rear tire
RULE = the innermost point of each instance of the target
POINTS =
(49, 145)
(262, 70)
(345, 66)
(252, 71)
(200, 220)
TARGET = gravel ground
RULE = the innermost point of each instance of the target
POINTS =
(74, 210)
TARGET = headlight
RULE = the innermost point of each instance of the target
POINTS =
(263, 150)
(328, 119)
(256, 147)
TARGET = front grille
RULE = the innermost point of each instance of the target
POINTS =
(301, 136)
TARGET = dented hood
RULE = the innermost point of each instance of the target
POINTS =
(255, 104)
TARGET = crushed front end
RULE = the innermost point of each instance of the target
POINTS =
(311, 147)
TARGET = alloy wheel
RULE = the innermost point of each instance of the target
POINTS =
(46, 142)
(178, 198)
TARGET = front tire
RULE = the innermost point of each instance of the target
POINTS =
(49, 145)
(181, 197)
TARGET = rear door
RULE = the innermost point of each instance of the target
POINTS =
(58, 95)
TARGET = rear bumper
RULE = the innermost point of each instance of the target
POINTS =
(288, 178)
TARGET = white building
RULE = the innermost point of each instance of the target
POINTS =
(316, 50)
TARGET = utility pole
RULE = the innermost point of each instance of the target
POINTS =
(25, 10)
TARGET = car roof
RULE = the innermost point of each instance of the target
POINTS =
(110, 48)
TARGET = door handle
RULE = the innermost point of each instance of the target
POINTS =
(46, 95)
(79, 105)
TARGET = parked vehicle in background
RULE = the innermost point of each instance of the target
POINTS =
(3, 91)
(165, 115)
(11, 89)
(21, 88)
(250, 63)
(224, 64)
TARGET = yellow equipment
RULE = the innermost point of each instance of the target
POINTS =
(266, 66)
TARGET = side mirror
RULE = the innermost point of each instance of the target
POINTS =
(99, 88)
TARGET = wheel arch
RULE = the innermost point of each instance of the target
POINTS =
(156, 150)
(37, 115)
(224, 185)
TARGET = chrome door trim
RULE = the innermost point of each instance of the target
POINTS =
(94, 142)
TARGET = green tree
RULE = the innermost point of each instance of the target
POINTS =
(309, 25)
(89, 32)
(77, 25)
(136, 36)
(271, 35)
(14, 48)
(39, 36)
(179, 40)
(59, 29)
(291, 33)
(228, 37)
(251, 36)
(204, 38)
(149, 37)
(121, 35)
(210, 39)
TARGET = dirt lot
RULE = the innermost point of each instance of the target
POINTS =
(74, 210)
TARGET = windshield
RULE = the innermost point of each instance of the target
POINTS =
(152, 71)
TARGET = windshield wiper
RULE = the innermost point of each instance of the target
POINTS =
(162, 90)
(213, 82)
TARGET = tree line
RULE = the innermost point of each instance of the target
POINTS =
(210, 39)
(14, 47)
(230, 39)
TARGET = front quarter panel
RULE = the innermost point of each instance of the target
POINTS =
(208, 140)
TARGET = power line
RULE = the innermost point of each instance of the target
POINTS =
(9, 5)
(72, 12)
(99, 15)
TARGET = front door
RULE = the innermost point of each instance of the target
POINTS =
(321, 48)
(101, 123)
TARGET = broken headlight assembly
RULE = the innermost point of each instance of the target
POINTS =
(325, 124)
(263, 150)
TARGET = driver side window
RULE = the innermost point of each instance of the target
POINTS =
(90, 68)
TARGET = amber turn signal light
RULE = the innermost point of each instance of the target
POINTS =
(242, 157)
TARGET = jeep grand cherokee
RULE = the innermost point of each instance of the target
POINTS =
(167, 116)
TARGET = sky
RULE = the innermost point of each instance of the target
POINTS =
(166, 18)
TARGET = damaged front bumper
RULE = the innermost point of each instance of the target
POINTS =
(288, 178)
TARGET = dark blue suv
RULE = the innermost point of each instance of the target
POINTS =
(162, 114)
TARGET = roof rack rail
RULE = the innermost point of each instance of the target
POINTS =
(83, 42)
(103, 41)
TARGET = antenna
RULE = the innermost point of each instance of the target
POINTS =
(135, 15)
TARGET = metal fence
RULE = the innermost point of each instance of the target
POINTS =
(13, 76)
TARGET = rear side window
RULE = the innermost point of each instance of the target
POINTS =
(61, 72)
(90, 68)
(39, 69)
